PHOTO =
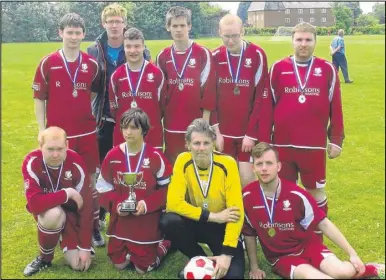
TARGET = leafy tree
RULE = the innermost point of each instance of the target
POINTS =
(367, 20)
(355, 8)
(343, 16)
(242, 11)
(379, 12)
(211, 15)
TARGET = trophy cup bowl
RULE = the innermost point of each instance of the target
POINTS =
(129, 179)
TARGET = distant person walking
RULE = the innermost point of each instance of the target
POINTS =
(338, 55)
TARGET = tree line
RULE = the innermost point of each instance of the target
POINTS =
(38, 21)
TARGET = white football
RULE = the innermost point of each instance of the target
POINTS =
(199, 268)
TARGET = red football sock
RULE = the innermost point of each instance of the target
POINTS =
(371, 271)
(48, 238)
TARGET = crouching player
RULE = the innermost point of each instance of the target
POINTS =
(284, 217)
(134, 237)
(59, 196)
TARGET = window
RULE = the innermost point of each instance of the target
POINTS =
(300, 20)
(300, 11)
(312, 19)
(312, 11)
(324, 11)
(287, 11)
(287, 20)
(324, 19)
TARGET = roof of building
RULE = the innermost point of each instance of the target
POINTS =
(276, 6)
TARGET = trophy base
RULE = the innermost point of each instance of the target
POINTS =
(128, 207)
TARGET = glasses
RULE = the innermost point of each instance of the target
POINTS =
(112, 22)
(233, 37)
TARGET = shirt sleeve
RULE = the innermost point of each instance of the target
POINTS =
(208, 82)
(96, 81)
(335, 128)
(40, 83)
(233, 197)
(37, 201)
(259, 83)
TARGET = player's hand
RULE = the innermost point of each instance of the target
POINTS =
(358, 265)
(333, 151)
(222, 265)
(140, 208)
(75, 196)
(229, 215)
(256, 273)
(122, 214)
(247, 145)
(84, 260)
(219, 142)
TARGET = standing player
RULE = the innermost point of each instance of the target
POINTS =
(190, 76)
(284, 217)
(59, 197)
(241, 69)
(304, 106)
(137, 83)
(135, 237)
(109, 53)
(63, 86)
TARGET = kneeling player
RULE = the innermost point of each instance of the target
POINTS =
(134, 236)
(286, 232)
(59, 196)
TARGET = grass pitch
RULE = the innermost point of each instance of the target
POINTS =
(355, 180)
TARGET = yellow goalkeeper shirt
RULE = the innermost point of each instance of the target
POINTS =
(214, 189)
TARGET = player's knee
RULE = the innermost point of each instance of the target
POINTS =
(343, 271)
(169, 222)
(53, 218)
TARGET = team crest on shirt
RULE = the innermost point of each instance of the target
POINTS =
(68, 175)
(248, 62)
(318, 72)
(192, 62)
(150, 77)
(286, 205)
(146, 163)
(84, 68)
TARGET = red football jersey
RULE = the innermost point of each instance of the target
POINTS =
(297, 122)
(155, 172)
(42, 195)
(65, 108)
(199, 86)
(148, 98)
(295, 217)
(237, 113)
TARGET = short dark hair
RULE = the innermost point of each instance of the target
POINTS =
(72, 20)
(178, 11)
(140, 118)
(133, 34)
(263, 147)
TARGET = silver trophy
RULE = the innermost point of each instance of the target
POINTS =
(129, 179)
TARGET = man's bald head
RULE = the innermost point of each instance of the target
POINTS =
(52, 133)
(229, 19)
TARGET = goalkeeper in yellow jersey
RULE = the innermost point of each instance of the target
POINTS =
(204, 203)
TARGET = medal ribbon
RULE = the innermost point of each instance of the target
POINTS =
(270, 212)
(54, 190)
(79, 59)
(139, 160)
(180, 75)
(204, 192)
(298, 79)
(134, 90)
(235, 79)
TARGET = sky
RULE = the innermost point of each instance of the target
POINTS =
(232, 6)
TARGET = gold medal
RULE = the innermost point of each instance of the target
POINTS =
(302, 98)
(236, 90)
(181, 86)
(75, 93)
(134, 104)
(271, 232)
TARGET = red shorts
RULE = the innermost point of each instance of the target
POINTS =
(174, 145)
(154, 137)
(87, 147)
(141, 255)
(309, 163)
(314, 253)
(232, 147)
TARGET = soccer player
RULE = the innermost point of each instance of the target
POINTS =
(134, 236)
(303, 104)
(109, 53)
(204, 203)
(190, 76)
(59, 197)
(137, 83)
(284, 217)
(241, 72)
(64, 86)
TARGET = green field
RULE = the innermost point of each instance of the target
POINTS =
(355, 181)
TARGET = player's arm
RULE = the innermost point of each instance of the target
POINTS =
(40, 92)
(95, 86)
(113, 97)
(250, 244)
(40, 113)
(208, 85)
